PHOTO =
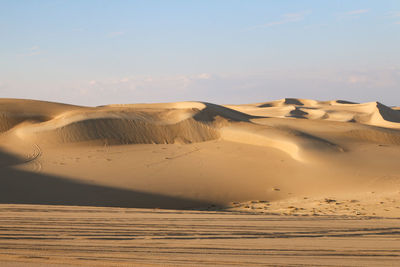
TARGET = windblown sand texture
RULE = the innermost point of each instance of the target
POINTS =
(286, 157)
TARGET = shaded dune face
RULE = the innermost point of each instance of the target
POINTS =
(8, 121)
(117, 131)
(387, 113)
(212, 112)
(16, 111)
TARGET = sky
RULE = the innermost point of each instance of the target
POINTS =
(221, 51)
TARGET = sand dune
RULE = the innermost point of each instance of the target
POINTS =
(373, 113)
(197, 152)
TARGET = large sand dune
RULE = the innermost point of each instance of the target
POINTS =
(199, 155)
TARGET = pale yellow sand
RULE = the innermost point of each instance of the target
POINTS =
(49, 236)
(285, 157)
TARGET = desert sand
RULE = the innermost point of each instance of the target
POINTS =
(314, 181)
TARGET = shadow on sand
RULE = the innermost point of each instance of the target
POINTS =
(24, 187)
(211, 111)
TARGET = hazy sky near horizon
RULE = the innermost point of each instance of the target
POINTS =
(222, 51)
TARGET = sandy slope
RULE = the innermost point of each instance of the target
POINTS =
(199, 155)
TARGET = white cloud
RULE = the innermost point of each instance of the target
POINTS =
(353, 85)
(353, 14)
(78, 29)
(357, 12)
(393, 14)
(204, 76)
(359, 85)
(34, 48)
(34, 53)
(356, 79)
(124, 80)
(146, 88)
(373, 78)
(116, 34)
(31, 51)
(286, 18)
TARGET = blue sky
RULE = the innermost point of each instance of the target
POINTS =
(99, 52)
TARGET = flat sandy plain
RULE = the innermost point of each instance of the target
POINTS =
(287, 182)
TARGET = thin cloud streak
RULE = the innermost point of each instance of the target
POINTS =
(286, 18)
(31, 51)
(393, 14)
(115, 34)
(357, 12)
(358, 84)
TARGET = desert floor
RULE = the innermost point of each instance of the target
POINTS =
(38, 235)
(291, 181)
